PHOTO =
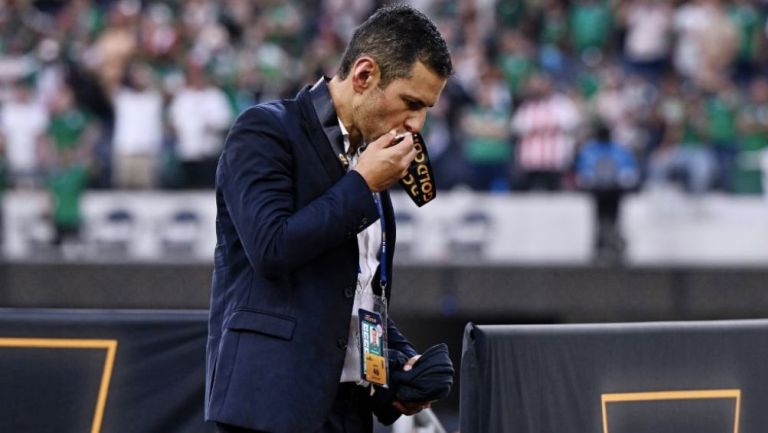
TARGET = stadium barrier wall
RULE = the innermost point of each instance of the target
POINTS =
(470, 292)
(102, 371)
(661, 229)
(683, 377)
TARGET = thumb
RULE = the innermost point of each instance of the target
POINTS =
(409, 365)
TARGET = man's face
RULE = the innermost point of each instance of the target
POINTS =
(401, 105)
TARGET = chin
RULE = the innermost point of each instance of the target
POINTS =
(370, 138)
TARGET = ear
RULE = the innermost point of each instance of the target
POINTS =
(365, 74)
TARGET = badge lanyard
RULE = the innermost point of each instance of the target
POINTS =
(383, 252)
(380, 301)
(373, 324)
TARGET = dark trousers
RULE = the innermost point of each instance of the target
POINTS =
(609, 241)
(351, 413)
(540, 181)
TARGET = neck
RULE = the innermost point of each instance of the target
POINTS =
(342, 95)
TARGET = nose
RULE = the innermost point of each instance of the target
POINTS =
(415, 122)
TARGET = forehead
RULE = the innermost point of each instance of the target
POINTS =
(423, 85)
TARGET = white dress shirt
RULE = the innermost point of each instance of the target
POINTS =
(369, 245)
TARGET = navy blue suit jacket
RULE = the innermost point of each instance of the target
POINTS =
(285, 267)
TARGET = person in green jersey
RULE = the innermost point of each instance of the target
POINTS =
(749, 176)
(590, 23)
(66, 184)
(71, 133)
(719, 127)
(487, 145)
(749, 21)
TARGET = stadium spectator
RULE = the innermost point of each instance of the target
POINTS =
(683, 154)
(72, 134)
(707, 40)
(590, 24)
(67, 181)
(719, 128)
(647, 43)
(111, 52)
(553, 39)
(92, 101)
(607, 171)
(545, 125)
(136, 149)
(516, 61)
(611, 104)
(2, 189)
(753, 126)
(199, 114)
(267, 50)
(23, 124)
(487, 147)
(752, 42)
(70, 128)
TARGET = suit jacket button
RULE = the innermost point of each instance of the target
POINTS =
(364, 221)
(349, 291)
(342, 343)
(350, 234)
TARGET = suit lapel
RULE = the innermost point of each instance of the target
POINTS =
(323, 127)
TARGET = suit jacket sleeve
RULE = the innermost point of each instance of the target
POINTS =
(382, 399)
(396, 340)
(257, 182)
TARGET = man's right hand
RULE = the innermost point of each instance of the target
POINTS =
(384, 163)
(411, 408)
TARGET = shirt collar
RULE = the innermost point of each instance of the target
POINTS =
(345, 135)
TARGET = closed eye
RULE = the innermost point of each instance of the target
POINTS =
(413, 104)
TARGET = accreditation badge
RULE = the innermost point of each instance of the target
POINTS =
(373, 365)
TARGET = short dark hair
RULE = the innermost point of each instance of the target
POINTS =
(396, 37)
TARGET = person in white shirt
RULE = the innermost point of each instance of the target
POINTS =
(138, 135)
(23, 124)
(199, 114)
(648, 42)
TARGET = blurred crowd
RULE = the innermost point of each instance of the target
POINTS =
(547, 94)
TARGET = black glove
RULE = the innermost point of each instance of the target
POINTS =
(430, 378)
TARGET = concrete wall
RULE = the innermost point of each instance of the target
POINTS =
(661, 228)
(470, 293)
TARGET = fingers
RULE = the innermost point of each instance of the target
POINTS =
(384, 141)
(405, 152)
(399, 406)
(405, 410)
(404, 145)
(405, 163)
(384, 162)
(411, 408)
(402, 153)
(409, 365)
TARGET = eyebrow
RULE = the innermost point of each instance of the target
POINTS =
(415, 99)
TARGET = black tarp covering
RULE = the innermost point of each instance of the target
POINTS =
(51, 381)
(676, 377)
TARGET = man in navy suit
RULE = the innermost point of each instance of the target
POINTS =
(300, 235)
